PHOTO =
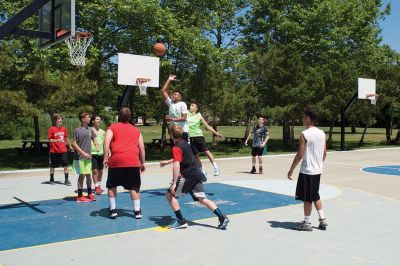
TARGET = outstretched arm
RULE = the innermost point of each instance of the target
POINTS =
(165, 88)
(203, 121)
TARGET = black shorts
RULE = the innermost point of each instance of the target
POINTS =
(128, 177)
(257, 151)
(199, 143)
(55, 159)
(97, 162)
(308, 187)
(194, 186)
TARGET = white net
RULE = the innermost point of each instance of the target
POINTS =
(78, 45)
(373, 99)
(142, 84)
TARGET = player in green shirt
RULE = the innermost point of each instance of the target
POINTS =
(97, 156)
(197, 141)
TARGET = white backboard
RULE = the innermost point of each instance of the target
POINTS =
(365, 87)
(131, 67)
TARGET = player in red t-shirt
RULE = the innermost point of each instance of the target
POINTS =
(58, 137)
(124, 155)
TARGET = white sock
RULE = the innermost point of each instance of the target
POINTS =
(136, 205)
(307, 219)
(321, 214)
(215, 165)
(112, 203)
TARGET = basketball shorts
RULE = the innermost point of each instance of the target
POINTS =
(55, 159)
(257, 151)
(82, 167)
(308, 187)
(199, 143)
(127, 177)
(97, 162)
(193, 186)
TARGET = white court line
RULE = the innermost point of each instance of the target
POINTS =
(205, 160)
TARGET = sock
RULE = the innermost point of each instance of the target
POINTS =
(89, 190)
(321, 214)
(136, 205)
(307, 219)
(215, 165)
(66, 176)
(112, 203)
(80, 193)
(179, 215)
(51, 177)
(218, 212)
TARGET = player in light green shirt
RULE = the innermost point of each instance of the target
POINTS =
(197, 141)
(97, 156)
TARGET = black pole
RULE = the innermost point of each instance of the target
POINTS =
(343, 111)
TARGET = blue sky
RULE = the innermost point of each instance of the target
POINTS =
(390, 26)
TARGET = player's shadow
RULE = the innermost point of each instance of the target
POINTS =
(161, 220)
(154, 193)
(105, 211)
(242, 172)
(284, 225)
(203, 225)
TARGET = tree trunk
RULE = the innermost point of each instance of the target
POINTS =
(397, 137)
(332, 124)
(353, 129)
(363, 134)
(37, 134)
(388, 132)
(288, 135)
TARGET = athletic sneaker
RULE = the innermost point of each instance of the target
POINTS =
(98, 190)
(137, 214)
(260, 170)
(67, 183)
(83, 199)
(216, 171)
(203, 176)
(303, 226)
(322, 224)
(253, 170)
(223, 223)
(112, 213)
(178, 224)
(91, 197)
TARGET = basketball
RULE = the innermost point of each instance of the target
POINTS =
(159, 49)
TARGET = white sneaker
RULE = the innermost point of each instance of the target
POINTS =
(216, 171)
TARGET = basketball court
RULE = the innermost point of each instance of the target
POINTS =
(41, 224)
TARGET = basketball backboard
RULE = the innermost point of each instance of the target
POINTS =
(131, 67)
(58, 18)
(366, 88)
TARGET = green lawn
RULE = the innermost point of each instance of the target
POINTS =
(10, 159)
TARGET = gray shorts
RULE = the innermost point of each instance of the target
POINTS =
(193, 186)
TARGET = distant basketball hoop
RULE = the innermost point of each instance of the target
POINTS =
(78, 45)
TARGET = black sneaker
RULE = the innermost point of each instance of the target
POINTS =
(223, 223)
(178, 224)
(113, 213)
(137, 214)
(253, 170)
(67, 183)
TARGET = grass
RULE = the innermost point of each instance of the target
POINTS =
(375, 137)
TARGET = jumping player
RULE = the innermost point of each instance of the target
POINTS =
(187, 179)
(312, 150)
(58, 137)
(195, 120)
(261, 137)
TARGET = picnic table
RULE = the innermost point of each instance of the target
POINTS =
(29, 145)
(159, 143)
(234, 141)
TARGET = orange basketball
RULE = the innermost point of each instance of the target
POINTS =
(159, 49)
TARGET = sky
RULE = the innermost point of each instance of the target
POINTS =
(390, 26)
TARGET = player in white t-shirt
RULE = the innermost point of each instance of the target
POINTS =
(312, 150)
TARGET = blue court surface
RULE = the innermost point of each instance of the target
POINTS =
(27, 224)
(383, 170)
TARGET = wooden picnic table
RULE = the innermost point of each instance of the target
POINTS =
(234, 141)
(29, 145)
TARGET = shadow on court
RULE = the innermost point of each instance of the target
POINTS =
(283, 225)
(104, 213)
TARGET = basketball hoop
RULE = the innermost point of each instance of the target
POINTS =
(142, 84)
(372, 97)
(78, 45)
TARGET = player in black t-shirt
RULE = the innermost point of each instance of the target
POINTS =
(187, 179)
